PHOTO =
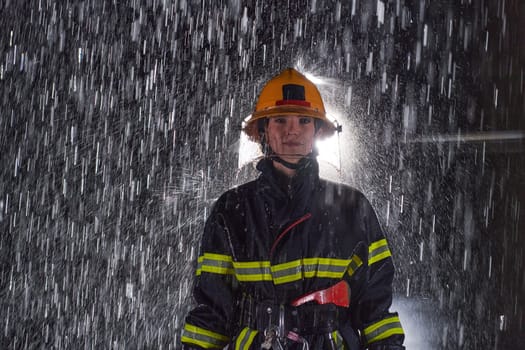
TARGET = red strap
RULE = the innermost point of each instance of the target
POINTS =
(292, 225)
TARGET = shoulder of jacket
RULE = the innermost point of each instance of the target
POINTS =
(342, 188)
(236, 194)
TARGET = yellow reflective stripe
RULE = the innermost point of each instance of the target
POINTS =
(245, 339)
(258, 271)
(287, 272)
(327, 261)
(355, 263)
(252, 271)
(218, 257)
(338, 339)
(378, 251)
(215, 263)
(383, 329)
(308, 268)
(202, 337)
(377, 244)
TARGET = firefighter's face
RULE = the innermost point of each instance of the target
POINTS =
(291, 137)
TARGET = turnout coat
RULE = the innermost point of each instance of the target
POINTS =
(276, 239)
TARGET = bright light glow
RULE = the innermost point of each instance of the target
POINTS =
(248, 151)
(314, 79)
(329, 151)
(423, 325)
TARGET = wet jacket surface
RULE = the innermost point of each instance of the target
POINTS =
(276, 239)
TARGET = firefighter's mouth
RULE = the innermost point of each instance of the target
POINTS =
(293, 144)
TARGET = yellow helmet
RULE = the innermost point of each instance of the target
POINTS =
(289, 93)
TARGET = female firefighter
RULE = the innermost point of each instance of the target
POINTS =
(291, 261)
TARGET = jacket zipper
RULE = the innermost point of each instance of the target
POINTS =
(287, 229)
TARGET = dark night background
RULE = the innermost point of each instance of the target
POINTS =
(120, 125)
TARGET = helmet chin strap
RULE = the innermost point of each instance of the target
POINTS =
(293, 166)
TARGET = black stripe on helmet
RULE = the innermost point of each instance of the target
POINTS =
(293, 92)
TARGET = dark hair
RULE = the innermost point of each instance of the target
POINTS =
(261, 130)
(261, 125)
(318, 124)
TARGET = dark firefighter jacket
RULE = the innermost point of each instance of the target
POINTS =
(278, 239)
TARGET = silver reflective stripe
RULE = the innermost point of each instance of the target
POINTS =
(252, 270)
(202, 337)
(355, 263)
(215, 263)
(383, 329)
(308, 268)
(245, 339)
(378, 251)
(288, 272)
(338, 340)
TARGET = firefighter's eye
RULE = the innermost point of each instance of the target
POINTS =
(280, 120)
(305, 120)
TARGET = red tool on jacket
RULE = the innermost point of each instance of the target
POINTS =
(338, 294)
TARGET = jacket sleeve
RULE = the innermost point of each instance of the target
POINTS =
(380, 329)
(208, 325)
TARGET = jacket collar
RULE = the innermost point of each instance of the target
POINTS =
(301, 184)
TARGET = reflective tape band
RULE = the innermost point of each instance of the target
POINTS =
(215, 263)
(253, 271)
(383, 329)
(245, 339)
(338, 339)
(308, 268)
(203, 337)
(355, 263)
(378, 251)
(259, 271)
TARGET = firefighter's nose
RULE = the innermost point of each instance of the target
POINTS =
(293, 127)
